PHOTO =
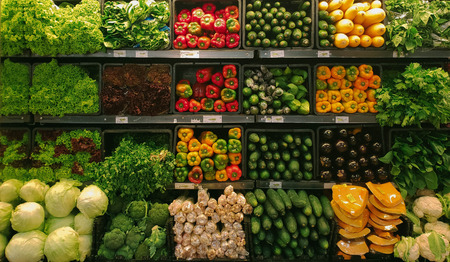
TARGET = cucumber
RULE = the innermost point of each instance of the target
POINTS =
(321, 252)
(255, 225)
(295, 234)
(328, 212)
(257, 250)
(304, 232)
(310, 251)
(261, 235)
(267, 251)
(251, 199)
(313, 235)
(258, 211)
(316, 205)
(307, 209)
(280, 242)
(312, 221)
(323, 243)
(303, 242)
(255, 239)
(298, 252)
(266, 222)
(295, 199)
(302, 220)
(290, 222)
(270, 237)
(278, 223)
(293, 243)
(270, 210)
(286, 199)
(288, 253)
(276, 201)
(323, 227)
(277, 250)
(260, 196)
(284, 235)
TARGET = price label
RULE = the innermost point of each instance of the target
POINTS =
(120, 53)
(397, 54)
(275, 184)
(328, 185)
(190, 54)
(342, 120)
(121, 120)
(195, 120)
(184, 186)
(175, 120)
(142, 53)
(212, 119)
(277, 119)
(276, 53)
(323, 53)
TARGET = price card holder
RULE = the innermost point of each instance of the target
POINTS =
(342, 120)
(397, 54)
(277, 119)
(184, 186)
(277, 54)
(142, 54)
(212, 119)
(328, 185)
(121, 120)
(275, 184)
(196, 120)
(323, 53)
(120, 53)
(190, 54)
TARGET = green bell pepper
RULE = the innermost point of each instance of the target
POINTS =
(304, 107)
(297, 80)
(234, 146)
(228, 95)
(181, 159)
(294, 105)
(181, 174)
(220, 161)
(276, 71)
(220, 146)
(287, 71)
(207, 165)
(321, 84)
(210, 175)
(300, 72)
(287, 97)
(293, 89)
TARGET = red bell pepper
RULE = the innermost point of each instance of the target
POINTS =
(232, 40)
(232, 83)
(207, 104)
(191, 40)
(212, 91)
(204, 42)
(233, 25)
(219, 106)
(180, 42)
(218, 40)
(204, 75)
(184, 81)
(233, 172)
(207, 22)
(197, 14)
(199, 90)
(196, 175)
(184, 16)
(220, 26)
(181, 28)
(232, 11)
(217, 79)
(209, 8)
(220, 13)
(233, 106)
(182, 105)
(195, 29)
(194, 105)
(229, 71)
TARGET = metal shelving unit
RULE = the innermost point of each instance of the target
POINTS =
(318, 119)
(237, 185)
(23, 119)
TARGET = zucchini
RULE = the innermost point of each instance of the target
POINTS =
(284, 235)
(270, 210)
(270, 237)
(286, 199)
(313, 235)
(310, 251)
(312, 221)
(277, 250)
(255, 225)
(323, 227)
(307, 209)
(251, 199)
(258, 211)
(278, 223)
(295, 234)
(261, 235)
(260, 196)
(276, 201)
(316, 205)
(280, 242)
(288, 253)
(328, 212)
(257, 250)
(304, 232)
(266, 222)
(267, 251)
(295, 199)
(290, 222)
(302, 220)
(298, 251)
(255, 239)
(323, 243)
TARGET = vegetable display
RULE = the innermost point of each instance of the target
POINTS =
(290, 224)
(214, 89)
(208, 156)
(413, 96)
(14, 149)
(136, 89)
(211, 228)
(280, 155)
(343, 23)
(14, 88)
(351, 154)
(350, 89)
(207, 26)
(60, 90)
(278, 24)
(138, 24)
(276, 90)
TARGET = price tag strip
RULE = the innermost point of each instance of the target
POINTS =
(275, 184)
(184, 186)
(277, 53)
(121, 120)
(142, 54)
(212, 119)
(342, 120)
(323, 53)
(120, 53)
(190, 54)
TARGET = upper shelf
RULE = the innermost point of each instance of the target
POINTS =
(15, 119)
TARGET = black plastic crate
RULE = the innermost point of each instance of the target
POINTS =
(30, 72)
(19, 131)
(188, 71)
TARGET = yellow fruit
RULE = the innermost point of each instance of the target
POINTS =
(375, 30)
(346, 5)
(323, 5)
(377, 41)
(375, 4)
(366, 6)
(360, 6)
(333, 5)
(366, 41)
(344, 26)
(338, 14)
(373, 16)
(351, 12)
(341, 40)
(357, 30)
(354, 40)
(360, 17)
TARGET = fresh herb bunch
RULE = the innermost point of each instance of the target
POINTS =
(420, 160)
(46, 30)
(415, 96)
(14, 88)
(136, 24)
(135, 170)
(59, 90)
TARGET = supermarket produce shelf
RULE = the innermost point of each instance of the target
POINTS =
(294, 184)
(164, 119)
(318, 119)
(237, 185)
(15, 119)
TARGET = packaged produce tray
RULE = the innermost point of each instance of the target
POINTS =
(16, 134)
(15, 116)
(274, 20)
(188, 71)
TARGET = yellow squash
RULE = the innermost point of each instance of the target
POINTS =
(360, 221)
(351, 199)
(338, 14)
(399, 209)
(344, 26)
(374, 16)
(360, 17)
(382, 249)
(385, 193)
(348, 235)
(346, 5)
(357, 30)
(355, 247)
(390, 228)
(351, 229)
(334, 4)
(351, 12)
(382, 222)
(377, 29)
(380, 214)
(382, 241)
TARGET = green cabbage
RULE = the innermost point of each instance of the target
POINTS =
(85, 246)
(27, 216)
(92, 201)
(9, 191)
(28, 246)
(3, 243)
(34, 191)
(5, 215)
(61, 198)
(62, 245)
(53, 223)
(83, 224)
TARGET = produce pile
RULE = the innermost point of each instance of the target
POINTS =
(43, 221)
(207, 26)
(356, 211)
(14, 151)
(215, 89)
(136, 90)
(344, 23)
(349, 90)
(280, 156)
(210, 228)
(414, 95)
(279, 91)
(351, 154)
(209, 156)
(14, 88)
(278, 24)
(46, 29)
(136, 230)
(141, 24)
(60, 90)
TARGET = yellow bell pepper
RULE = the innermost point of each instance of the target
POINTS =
(345, 84)
(334, 96)
(350, 107)
(205, 151)
(371, 95)
(321, 95)
(372, 107)
(323, 107)
(182, 147)
(346, 95)
(221, 175)
(359, 95)
(363, 108)
(194, 145)
(193, 159)
(337, 108)
(185, 134)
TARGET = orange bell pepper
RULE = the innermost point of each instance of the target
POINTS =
(372, 107)
(205, 151)
(350, 107)
(208, 137)
(235, 158)
(346, 95)
(371, 95)
(221, 175)
(365, 71)
(359, 95)
(333, 83)
(323, 72)
(363, 108)
(337, 107)
(194, 145)
(234, 133)
(321, 96)
(182, 147)
(361, 83)
(345, 84)
(334, 96)
(338, 72)
(323, 107)
(185, 134)
(375, 82)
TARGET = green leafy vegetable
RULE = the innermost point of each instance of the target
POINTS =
(14, 88)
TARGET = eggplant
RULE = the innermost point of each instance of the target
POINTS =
(369, 175)
(339, 161)
(352, 166)
(325, 162)
(343, 133)
(326, 148)
(341, 175)
(328, 134)
(376, 147)
(374, 160)
(362, 149)
(363, 162)
(352, 153)
(382, 174)
(355, 178)
(367, 137)
(325, 175)
(352, 140)
(341, 146)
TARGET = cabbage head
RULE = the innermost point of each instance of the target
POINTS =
(27, 216)
(34, 191)
(26, 247)
(53, 223)
(92, 201)
(62, 197)
(5, 215)
(9, 190)
(83, 224)
(85, 246)
(3, 243)
(62, 245)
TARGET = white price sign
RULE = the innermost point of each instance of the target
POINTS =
(189, 54)
(120, 53)
(196, 120)
(323, 53)
(276, 53)
(342, 120)
(121, 120)
(277, 119)
(184, 186)
(212, 119)
(275, 184)
(142, 53)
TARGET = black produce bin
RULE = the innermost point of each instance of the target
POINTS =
(291, 6)
(30, 72)
(14, 132)
(188, 71)
(377, 70)
(178, 5)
